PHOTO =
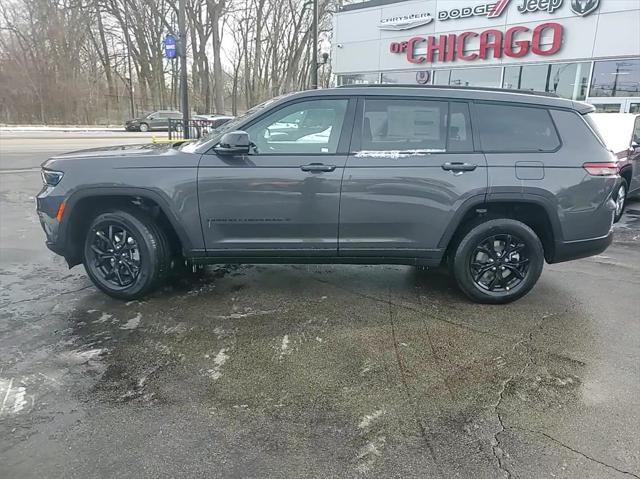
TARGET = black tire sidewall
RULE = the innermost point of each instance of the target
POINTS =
(477, 234)
(148, 247)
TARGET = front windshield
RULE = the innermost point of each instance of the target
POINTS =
(230, 125)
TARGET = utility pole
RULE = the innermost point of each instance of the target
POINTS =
(184, 93)
(128, 40)
(314, 54)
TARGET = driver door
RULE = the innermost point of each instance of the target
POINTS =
(283, 198)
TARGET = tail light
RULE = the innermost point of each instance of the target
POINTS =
(601, 169)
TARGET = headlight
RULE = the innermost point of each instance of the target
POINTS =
(51, 177)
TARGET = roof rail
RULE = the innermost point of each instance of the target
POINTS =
(449, 87)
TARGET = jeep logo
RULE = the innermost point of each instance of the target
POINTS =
(540, 6)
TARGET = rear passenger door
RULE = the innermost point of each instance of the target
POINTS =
(412, 165)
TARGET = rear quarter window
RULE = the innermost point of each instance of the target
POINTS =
(507, 128)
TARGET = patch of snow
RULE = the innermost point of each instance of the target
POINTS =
(370, 418)
(104, 317)
(133, 323)
(221, 358)
(284, 348)
(13, 397)
(368, 454)
(246, 314)
(396, 154)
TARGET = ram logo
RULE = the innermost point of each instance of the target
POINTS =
(584, 7)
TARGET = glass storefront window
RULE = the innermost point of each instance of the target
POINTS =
(607, 107)
(358, 78)
(489, 77)
(616, 78)
(422, 77)
(567, 80)
(441, 77)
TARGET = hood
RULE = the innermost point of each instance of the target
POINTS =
(118, 150)
(125, 156)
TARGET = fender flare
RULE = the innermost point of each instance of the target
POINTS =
(527, 197)
(148, 194)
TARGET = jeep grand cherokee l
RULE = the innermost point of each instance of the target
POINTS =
(493, 183)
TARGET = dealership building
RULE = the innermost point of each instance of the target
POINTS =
(585, 50)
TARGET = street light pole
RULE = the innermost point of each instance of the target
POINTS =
(314, 54)
(184, 93)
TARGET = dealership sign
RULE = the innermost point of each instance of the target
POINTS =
(405, 22)
(515, 42)
(489, 10)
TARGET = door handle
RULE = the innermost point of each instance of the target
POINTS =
(457, 166)
(317, 167)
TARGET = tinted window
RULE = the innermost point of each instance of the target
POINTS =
(636, 131)
(402, 125)
(514, 128)
(305, 127)
(391, 124)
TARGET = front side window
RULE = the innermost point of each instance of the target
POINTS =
(506, 128)
(307, 127)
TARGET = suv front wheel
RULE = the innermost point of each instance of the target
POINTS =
(126, 254)
(498, 261)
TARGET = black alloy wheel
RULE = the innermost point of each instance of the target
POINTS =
(499, 263)
(116, 255)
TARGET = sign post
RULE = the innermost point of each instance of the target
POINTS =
(170, 50)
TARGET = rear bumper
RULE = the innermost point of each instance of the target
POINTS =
(569, 250)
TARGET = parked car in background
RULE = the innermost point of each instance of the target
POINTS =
(200, 125)
(621, 134)
(215, 120)
(158, 120)
(491, 183)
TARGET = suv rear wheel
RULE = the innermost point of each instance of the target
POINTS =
(126, 254)
(498, 261)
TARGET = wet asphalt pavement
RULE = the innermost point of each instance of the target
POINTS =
(310, 371)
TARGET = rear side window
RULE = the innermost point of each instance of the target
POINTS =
(506, 128)
(390, 124)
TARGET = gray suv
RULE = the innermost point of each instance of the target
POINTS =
(491, 183)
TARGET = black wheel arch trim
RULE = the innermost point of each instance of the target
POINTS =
(72, 201)
(480, 201)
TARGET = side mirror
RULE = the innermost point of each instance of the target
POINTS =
(233, 143)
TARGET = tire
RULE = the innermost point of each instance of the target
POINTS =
(509, 253)
(620, 197)
(144, 127)
(131, 265)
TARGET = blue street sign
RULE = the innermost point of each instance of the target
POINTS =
(170, 50)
